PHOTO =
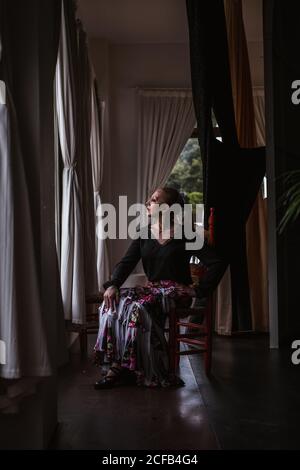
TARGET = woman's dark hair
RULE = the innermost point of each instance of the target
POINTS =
(173, 196)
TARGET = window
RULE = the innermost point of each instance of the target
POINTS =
(187, 174)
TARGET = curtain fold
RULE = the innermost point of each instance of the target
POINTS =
(259, 114)
(166, 121)
(261, 214)
(57, 183)
(21, 323)
(97, 153)
(67, 108)
(85, 162)
(241, 82)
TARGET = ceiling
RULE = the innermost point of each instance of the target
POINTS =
(124, 22)
(135, 21)
(152, 21)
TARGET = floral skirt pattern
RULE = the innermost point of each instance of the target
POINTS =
(133, 332)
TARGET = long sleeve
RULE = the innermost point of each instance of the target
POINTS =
(216, 267)
(122, 269)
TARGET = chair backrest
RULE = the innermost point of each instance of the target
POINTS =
(198, 270)
(92, 303)
(211, 227)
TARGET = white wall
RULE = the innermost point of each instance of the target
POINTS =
(119, 71)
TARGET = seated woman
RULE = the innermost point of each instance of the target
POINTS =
(132, 320)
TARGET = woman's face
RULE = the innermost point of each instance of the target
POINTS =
(156, 198)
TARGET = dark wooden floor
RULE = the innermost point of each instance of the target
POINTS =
(129, 418)
(253, 396)
(252, 401)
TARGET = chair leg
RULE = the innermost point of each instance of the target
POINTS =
(177, 345)
(172, 340)
(83, 342)
(208, 342)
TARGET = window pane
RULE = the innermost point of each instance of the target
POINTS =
(187, 174)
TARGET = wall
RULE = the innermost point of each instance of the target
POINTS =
(120, 69)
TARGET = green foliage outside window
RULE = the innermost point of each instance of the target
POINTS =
(187, 174)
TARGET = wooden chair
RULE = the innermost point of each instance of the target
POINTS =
(91, 324)
(197, 336)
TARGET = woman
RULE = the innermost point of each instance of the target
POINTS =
(131, 320)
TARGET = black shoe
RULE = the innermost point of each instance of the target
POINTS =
(109, 381)
(121, 376)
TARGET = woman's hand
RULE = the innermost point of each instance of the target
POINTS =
(111, 296)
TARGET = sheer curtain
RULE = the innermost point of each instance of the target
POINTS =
(97, 153)
(72, 248)
(166, 121)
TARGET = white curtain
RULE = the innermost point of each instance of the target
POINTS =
(166, 121)
(24, 351)
(97, 153)
(72, 258)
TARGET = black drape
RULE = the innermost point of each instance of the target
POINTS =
(232, 175)
(7, 14)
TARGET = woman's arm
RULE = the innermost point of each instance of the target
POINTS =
(122, 269)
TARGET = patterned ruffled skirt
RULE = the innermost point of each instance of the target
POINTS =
(133, 335)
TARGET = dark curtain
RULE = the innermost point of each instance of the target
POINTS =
(5, 74)
(232, 175)
(69, 7)
(7, 14)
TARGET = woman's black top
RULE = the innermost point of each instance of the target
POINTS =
(168, 261)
